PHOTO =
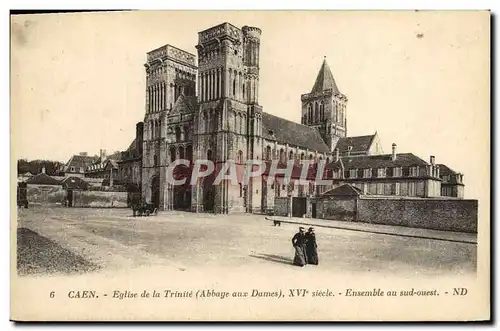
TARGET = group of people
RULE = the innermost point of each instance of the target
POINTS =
(306, 249)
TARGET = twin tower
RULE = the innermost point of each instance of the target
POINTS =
(210, 110)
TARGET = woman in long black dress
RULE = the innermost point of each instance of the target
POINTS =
(299, 243)
(311, 247)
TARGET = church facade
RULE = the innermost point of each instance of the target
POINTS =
(209, 109)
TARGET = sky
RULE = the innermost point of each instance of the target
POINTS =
(420, 79)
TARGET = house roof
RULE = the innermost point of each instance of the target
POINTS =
(79, 161)
(74, 183)
(324, 80)
(445, 170)
(293, 133)
(382, 161)
(344, 190)
(359, 144)
(42, 179)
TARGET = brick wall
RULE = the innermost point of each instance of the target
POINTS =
(99, 199)
(439, 214)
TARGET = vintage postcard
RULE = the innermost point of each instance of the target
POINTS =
(250, 166)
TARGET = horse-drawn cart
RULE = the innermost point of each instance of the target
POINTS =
(144, 209)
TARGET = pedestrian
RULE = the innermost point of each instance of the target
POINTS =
(311, 247)
(299, 243)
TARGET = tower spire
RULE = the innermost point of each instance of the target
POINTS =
(325, 80)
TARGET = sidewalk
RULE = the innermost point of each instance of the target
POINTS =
(462, 237)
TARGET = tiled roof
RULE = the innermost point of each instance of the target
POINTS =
(382, 161)
(344, 190)
(79, 161)
(293, 133)
(42, 179)
(360, 144)
(445, 170)
(325, 80)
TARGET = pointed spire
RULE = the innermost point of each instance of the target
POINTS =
(325, 80)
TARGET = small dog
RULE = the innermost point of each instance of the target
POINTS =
(278, 223)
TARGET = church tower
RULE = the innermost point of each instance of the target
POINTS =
(324, 108)
(170, 73)
(228, 124)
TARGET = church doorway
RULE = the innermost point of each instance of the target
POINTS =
(155, 191)
(208, 196)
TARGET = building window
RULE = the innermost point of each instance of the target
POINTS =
(381, 172)
(353, 173)
(268, 153)
(81, 169)
(239, 157)
(367, 173)
(177, 134)
(413, 171)
(397, 172)
(282, 156)
(72, 169)
(172, 154)
(181, 153)
(290, 155)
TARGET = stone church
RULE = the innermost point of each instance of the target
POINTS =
(209, 109)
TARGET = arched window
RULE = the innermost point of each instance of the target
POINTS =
(155, 160)
(322, 112)
(310, 156)
(172, 154)
(290, 155)
(234, 87)
(181, 153)
(316, 112)
(189, 153)
(243, 90)
(177, 134)
(187, 135)
(268, 153)
(282, 156)
(302, 156)
(239, 157)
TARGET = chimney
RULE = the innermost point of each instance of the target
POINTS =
(394, 152)
(43, 169)
(337, 155)
(433, 160)
(83, 153)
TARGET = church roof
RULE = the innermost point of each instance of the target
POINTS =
(359, 144)
(285, 131)
(382, 161)
(325, 80)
